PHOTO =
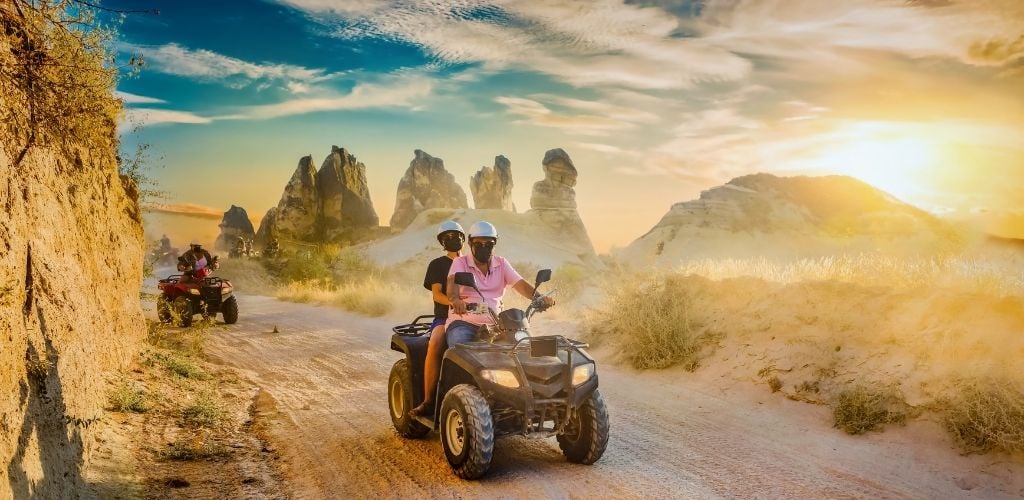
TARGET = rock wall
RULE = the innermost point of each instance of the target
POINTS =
(70, 317)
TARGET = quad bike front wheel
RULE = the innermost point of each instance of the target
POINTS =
(586, 436)
(163, 309)
(467, 431)
(182, 306)
(400, 401)
(230, 310)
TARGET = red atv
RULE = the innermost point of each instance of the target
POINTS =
(183, 296)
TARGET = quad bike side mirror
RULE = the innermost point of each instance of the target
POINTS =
(465, 279)
(543, 276)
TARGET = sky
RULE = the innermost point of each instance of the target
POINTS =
(655, 101)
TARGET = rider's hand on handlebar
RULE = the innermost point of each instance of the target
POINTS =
(547, 301)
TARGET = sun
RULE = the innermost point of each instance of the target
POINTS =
(897, 165)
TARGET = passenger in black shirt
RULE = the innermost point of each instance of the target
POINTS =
(451, 236)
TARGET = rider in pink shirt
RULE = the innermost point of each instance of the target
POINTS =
(492, 274)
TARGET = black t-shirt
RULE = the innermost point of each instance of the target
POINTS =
(437, 272)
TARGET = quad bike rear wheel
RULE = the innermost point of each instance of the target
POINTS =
(400, 401)
(163, 309)
(586, 435)
(183, 308)
(467, 431)
(230, 310)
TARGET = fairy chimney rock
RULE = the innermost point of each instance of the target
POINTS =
(492, 186)
(426, 184)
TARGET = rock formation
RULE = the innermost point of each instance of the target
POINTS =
(763, 215)
(492, 186)
(234, 224)
(344, 195)
(556, 190)
(326, 205)
(426, 184)
(554, 200)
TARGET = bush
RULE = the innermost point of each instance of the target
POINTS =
(305, 267)
(654, 322)
(128, 398)
(179, 366)
(987, 415)
(204, 412)
(861, 409)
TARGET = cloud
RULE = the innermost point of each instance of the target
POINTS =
(185, 209)
(207, 65)
(538, 114)
(397, 92)
(127, 98)
(997, 51)
(142, 117)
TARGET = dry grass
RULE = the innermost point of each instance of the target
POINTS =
(965, 273)
(987, 415)
(205, 411)
(370, 296)
(655, 324)
(860, 409)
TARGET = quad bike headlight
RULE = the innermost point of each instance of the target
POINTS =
(194, 291)
(224, 290)
(582, 373)
(503, 378)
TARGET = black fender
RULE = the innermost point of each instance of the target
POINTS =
(415, 350)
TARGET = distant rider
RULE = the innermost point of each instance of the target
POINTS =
(196, 261)
(165, 243)
(451, 237)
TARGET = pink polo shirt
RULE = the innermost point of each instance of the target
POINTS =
(492, 285)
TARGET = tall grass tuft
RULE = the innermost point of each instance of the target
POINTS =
(861, 408)
(654, 322)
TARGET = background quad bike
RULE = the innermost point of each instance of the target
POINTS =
(182, 300)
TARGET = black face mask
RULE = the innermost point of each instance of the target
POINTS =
(452, 244)
(482, 253)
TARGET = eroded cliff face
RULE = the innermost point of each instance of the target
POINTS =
(70, 318)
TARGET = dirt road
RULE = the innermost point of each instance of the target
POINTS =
(325, 376)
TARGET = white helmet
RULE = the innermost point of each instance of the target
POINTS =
(483, 229)
(449, 225)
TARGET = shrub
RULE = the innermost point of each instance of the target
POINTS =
(179, 366)
(128, 398)
(305, 267)
(654, 322)
(987, 415)
(860, 409)
(204, 412)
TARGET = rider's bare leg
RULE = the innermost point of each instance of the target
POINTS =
(431, 369)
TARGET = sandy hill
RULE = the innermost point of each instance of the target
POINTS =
(524, 238)
(763, 215)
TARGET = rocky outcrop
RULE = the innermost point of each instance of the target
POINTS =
(426, 184)
(554, 199)
(763, 215)
(492, 186)
(268, 227)
(331, 204)
(234, 224)
(344, 195)
(556, 190)
(72, 246)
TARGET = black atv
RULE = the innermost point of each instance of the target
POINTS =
(505, 382)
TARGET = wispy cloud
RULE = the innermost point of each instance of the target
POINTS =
(143, 117)
(128, 98)
(207, 65)
(537, 113)
(403, 92)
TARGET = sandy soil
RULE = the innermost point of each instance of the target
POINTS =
(323, 380)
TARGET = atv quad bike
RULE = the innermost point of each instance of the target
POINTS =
(182, 298)
(506, 382)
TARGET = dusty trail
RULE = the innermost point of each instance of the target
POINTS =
(325, 376)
